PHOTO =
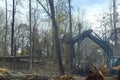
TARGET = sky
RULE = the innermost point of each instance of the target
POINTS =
(92, 8)
(88, 2)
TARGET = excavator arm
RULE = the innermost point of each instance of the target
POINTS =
(104, 45)
(81, 37)
(111, 59)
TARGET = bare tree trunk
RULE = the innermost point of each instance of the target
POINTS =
(5, 45)
(31, 56)
(55, 31)
(78, 47)
(114, 21)
(5, 30)
(12, 31)
(33, 35)
(71, 44)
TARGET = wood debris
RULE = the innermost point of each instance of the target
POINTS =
(35, 77)
(95, 75)
(104, 69)
(65, 77)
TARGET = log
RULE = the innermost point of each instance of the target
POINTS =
(95, 75)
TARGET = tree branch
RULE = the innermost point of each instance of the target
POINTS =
(44, 8)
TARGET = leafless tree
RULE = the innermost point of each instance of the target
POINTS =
(12, 30)
(55, 31)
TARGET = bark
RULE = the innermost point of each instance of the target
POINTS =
(71, 44)
(78, 47)
(12, 31)
(31, 56)
(5, 48)
(114, 21)
(57, 42)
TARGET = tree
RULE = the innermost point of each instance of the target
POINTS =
(22, 37)
(30, 20)
(14, 11)
(72, 55)
(5, 45)
(2, 32)
(12, 30)
(55, 31)
(62, 16)
(79, 23)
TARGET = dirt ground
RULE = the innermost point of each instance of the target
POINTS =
(83, 78)
(49, 70)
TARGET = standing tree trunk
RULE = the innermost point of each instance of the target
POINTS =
(12, 31)
(55, 31)
(114, 21)
(33, 34)
(5, 46)
(71, 44)
(5, 30)
(31, 56)
(78, 46)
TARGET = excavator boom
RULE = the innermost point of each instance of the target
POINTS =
(104, 45)
(111, 60)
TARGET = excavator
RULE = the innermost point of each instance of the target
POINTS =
(112, 61)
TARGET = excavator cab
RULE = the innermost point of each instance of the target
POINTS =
(114, 61)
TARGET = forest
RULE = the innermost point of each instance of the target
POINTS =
(52, 40)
